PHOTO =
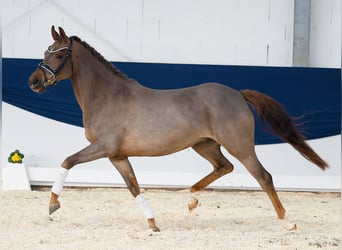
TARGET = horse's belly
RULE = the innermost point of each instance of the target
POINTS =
(156, 146)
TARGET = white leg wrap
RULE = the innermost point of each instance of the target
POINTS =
(288, 225)
(145, 207)
(59, 182)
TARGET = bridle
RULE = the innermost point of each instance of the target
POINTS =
(45, 67)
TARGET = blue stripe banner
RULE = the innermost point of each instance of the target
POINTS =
(311, 95)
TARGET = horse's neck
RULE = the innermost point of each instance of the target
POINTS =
(93, 81)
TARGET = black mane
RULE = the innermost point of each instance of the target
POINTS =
(99, 57)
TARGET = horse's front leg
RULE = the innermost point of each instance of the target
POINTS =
(92, 152)
(125, 169)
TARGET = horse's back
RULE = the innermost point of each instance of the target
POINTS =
(214, 91)
(205, 103)
(223, 100)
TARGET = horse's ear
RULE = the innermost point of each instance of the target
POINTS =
(62, 34)
(54, 33)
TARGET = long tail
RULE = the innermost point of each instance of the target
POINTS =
(270, 110)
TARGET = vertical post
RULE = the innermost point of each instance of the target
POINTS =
(301, 37)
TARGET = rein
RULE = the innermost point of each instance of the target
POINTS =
(54, 73)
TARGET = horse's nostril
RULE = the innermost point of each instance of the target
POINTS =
(34, 82)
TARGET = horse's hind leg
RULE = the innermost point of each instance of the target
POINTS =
(210, 150)
(265, 180)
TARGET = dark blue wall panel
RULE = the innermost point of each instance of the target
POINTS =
(313, 95)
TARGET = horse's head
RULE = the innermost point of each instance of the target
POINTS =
(57, 64)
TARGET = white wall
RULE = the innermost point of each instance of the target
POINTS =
(229, 32)
(183, 31)
(325, 41)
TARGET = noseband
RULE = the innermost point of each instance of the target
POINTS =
(54, 73)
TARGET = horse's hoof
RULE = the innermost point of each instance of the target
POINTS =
(288, 225)
(152, 225)
(192, 204)
(54, 207)
(292, 227)
(155, 229)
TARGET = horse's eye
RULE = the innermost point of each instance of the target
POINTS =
(59, 56)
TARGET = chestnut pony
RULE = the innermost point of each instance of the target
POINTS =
(122, 118)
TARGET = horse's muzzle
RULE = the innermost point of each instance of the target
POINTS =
(36, 85)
